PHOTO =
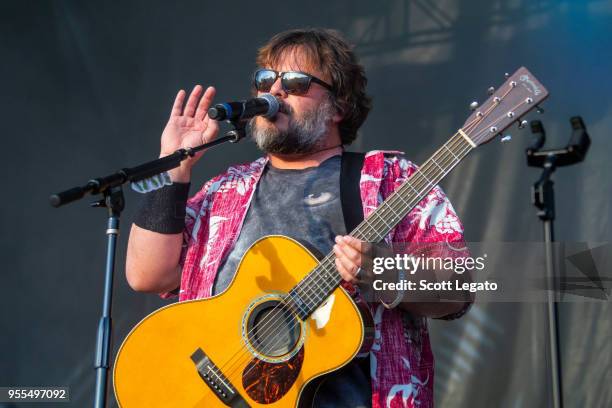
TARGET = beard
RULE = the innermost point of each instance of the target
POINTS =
(304, 134)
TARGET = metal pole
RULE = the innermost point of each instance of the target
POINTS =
(553, 331)
(114, 202)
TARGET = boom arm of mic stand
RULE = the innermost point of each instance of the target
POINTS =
(142, 171)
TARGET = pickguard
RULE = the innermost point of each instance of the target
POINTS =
(267, 382)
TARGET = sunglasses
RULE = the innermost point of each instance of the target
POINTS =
(293, 82)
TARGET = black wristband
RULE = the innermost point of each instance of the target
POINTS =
(163, 210)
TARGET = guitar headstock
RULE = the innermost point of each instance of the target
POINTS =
(518, 95)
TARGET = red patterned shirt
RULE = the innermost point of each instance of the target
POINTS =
(401, 360)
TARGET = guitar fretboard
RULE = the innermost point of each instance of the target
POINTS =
(315, 287)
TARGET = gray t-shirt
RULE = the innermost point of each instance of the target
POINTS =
(302, 204)
(305, 205)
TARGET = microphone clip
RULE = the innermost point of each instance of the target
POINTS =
(574, 152)
(238, 132)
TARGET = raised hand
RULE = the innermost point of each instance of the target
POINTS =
(188, 126)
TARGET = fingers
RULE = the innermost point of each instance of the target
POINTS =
(177, 108)
(352, 247)
(212, 128)
(197, 104)
(205, 102)
(361, 246)
(345, 273)
(192, 102)
(348, 257)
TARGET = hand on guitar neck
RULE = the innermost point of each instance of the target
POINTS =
(351, 259)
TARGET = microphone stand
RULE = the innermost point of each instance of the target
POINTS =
(542, 195)
(112, 199)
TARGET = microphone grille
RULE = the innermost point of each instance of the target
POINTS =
(273, 105)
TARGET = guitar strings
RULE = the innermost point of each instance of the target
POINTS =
(429, 183)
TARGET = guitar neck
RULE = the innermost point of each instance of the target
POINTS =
(311, 291)
(411, 192)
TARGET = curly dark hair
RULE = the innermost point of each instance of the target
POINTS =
(327, 51)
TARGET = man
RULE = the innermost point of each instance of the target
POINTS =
(294, 191)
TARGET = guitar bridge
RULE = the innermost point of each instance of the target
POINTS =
(216, 381)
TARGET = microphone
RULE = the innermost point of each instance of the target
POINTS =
(265, 105)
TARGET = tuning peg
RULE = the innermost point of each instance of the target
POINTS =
(539, 109)
(491, 90)
(473, 105)
(506, 75)
(522, 124)
(506, 138)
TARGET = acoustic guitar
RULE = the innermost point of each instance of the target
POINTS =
(285, 321)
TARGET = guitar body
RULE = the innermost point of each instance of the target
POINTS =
(242, 340)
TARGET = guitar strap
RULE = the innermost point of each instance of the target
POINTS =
(352, 210)
(350, 194)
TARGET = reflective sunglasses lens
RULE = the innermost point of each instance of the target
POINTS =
(295, 83)
(264, 80)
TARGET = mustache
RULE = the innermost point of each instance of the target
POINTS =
(282, 108)
(285, 108)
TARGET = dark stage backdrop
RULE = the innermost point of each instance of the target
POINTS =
(87, 88)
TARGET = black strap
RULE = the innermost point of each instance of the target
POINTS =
(350, 195)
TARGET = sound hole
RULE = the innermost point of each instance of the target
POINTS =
(272, 329)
